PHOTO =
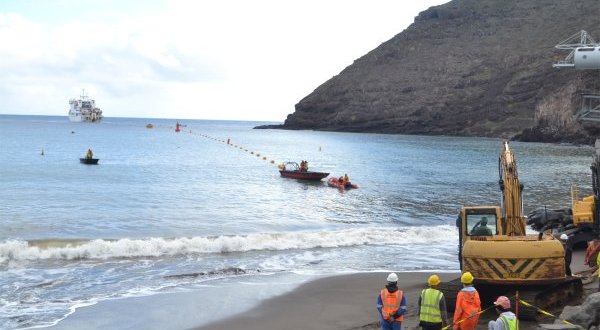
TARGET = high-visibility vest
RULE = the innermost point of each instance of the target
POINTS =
(509, 324)
(598, 262)
(430, 306)
(390, 304)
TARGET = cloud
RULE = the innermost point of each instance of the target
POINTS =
(229, 59)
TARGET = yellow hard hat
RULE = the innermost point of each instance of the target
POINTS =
(433, 280)
(466, 278)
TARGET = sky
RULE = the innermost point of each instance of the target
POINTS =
(219, 59)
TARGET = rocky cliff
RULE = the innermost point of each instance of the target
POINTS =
(468, 67)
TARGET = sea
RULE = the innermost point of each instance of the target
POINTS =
(168, 212)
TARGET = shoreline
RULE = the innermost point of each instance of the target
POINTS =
(348, 302)
(335, 302)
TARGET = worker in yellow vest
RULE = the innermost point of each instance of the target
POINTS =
(598, 262)
(507, 320)
(432, 312)
(391, 305)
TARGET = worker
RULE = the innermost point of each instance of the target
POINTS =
(301, 166)
(468, 305)
(306, 166)
(89, 154)
(346, 181)
(564, 238)
(432, 312)
(481, 228)
(507, 320)
(598, 263)
(391, 305)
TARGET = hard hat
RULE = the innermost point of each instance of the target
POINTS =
(433, 280)
(564, 237)
(466, 278)
(392, 277)
(503, 302)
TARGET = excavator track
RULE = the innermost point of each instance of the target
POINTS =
(546, 297)
(450, 290)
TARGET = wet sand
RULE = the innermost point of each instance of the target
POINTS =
(344, 302)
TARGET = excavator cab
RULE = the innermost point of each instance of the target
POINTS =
(481, 221)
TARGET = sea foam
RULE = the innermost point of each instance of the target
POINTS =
(156, 247)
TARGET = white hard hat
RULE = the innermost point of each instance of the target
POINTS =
(392, 277)
(564, 237)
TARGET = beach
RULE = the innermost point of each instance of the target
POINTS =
(348, 302)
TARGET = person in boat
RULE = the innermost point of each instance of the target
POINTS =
(89, 154)
(346, 181)
(302, 166)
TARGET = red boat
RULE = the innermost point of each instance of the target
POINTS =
(292, 170)
(334, 182)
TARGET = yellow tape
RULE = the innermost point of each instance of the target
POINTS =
(547, 313)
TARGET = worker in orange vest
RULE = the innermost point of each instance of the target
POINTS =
(391, 305)
(468, 305)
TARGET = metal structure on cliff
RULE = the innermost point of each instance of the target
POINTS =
(584, 55)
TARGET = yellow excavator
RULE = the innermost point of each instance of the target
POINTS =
(495, 248)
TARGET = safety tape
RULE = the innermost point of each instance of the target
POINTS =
(466, 318)
(541, 311)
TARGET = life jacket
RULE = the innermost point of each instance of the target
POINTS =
(390, 304)
(468, 306)
(430, 306)
(509, 324)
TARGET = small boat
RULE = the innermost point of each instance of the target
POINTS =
(292, 170)
(89, 161)
(334, 182)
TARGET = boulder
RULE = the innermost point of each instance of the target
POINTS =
(586, 315)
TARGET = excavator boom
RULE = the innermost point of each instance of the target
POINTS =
(512, 201)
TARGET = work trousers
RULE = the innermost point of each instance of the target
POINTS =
(430, 326)
(389, 326)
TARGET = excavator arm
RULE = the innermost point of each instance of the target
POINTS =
(513, 223)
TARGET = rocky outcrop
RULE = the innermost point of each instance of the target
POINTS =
(468, 67)
(585, 315)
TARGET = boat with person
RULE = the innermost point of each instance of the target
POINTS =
(336, 183)
(89, 158)
(84, 109)
(89, 161)
(293, 171)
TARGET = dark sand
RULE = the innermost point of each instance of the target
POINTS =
(345, 302)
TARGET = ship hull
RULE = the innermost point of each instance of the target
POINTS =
(75, 119)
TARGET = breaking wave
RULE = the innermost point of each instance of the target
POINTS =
(156, 247)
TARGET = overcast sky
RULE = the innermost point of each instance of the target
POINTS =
(213, 59)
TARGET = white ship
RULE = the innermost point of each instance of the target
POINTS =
(84, 109)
